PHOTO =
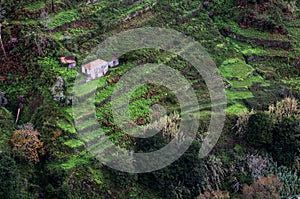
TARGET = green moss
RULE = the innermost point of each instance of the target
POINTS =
(93, 135)
(6, 127)
(58, 36)
(238, 148)
(253, 51)
(95, 7)
(74, 143)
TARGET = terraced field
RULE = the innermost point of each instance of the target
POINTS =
(241, 68)
(255, 66)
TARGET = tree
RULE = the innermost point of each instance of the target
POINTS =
(285, 145)
(184, 178)
(9, 174)
(26, 142)
(260, 128)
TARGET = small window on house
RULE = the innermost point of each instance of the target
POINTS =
(85, 70)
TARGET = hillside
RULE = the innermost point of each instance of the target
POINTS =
(49, 133)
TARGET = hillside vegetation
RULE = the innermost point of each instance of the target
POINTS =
(254, 43)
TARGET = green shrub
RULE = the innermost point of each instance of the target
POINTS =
(6, 122)
(284, 145)
(260, 128)
(9, 183)
(184, 178)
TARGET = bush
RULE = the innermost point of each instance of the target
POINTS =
(265, 187)
(26, 142)
(290, 181)
(184, 178)
(284, 145)
(6, 122)
(9, 182)
(260, 128)
(288, 107)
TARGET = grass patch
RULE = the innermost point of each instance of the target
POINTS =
(63, 18)
(246, 83)
(253, 33)
(75, 160)
(66, 126)
(232, 95)
(93, 135)
(89, 87)
(74, 143)
(139, 108)
(235, 68)
(237, 108)
(104, 94)
(139, 91)
(86, 123)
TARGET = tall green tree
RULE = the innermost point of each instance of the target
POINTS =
(260, 126)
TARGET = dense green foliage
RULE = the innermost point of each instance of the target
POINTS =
(9, 177)
(255, 45)
(260, 130)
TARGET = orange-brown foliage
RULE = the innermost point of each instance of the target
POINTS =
(27, 143)
(265, 187)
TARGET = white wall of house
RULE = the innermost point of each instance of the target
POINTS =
(99, 72)
(85, 71)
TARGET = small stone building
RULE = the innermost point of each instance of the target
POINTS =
(114, 62)
(95, 69)
(98, 67)
(71, 60)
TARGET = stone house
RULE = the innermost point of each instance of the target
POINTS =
(71, 60)
(95, 69)
(98, 67)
